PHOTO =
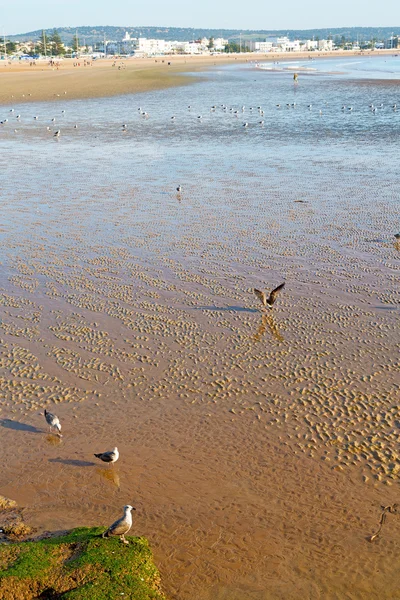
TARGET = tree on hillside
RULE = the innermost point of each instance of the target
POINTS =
(211, 43)
(57, 47)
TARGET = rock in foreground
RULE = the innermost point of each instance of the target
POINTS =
(79, 565)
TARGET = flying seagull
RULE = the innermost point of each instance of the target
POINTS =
(272, 297)
(53, 421)
(109, 457)
(122, 525)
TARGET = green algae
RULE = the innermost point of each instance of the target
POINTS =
(79, 565)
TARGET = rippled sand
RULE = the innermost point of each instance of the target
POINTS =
(257, 448)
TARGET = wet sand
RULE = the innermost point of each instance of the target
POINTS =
(257, 448)
(21, 82)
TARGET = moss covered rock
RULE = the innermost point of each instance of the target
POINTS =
(79, 565)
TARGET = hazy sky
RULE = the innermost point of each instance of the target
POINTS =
(19, 16)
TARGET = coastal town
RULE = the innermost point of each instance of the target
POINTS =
(142, 47)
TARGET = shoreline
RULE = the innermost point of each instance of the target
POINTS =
(24, 83)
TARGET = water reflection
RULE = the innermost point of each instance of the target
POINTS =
(268, 321)
(53, 440)
(110, 475)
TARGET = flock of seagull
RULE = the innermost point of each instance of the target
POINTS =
(122, 525)
(236, 112)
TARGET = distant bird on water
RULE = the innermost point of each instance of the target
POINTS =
(57, 134)
(109, 457)
(53, 421)
(272, 297)
(179, 188)
(122, 525)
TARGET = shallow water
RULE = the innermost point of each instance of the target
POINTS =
(257, 448)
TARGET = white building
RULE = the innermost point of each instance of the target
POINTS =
(219, 44)
(262, 47)
(311, 45)
(325, 45)
(289, 46)
(149, 47)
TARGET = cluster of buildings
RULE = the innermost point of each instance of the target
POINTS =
(283, 44)
(152, 47)
(142, 47)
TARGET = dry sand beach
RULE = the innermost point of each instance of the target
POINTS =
(257, 447)
(42, 81)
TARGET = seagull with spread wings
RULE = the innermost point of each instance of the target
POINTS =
(270, 300)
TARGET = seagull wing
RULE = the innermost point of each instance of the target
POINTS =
(274, 294)
(106, 456)
(261, 296)
(120, 527)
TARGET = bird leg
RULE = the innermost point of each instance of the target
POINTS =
(122, 538)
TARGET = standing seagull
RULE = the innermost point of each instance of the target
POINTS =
(272, 297)
(122, 526)
(109, 457)
(53, 421)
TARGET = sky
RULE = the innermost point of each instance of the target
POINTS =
(21, 16)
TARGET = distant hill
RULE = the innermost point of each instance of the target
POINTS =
(91, 35)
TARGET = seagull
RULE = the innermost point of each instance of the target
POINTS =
(199, 117)
(272, 297)
(53, 120)
(53, 421)
(122, 525)
(245, 124)
(179, 188)
(261, 122)
(75, 126)
(109, 457)
(172, 118)
(35, 118)
(57, 133)
(11, 110)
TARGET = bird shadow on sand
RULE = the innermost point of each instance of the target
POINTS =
(227, 309)
(18, 426)
(73, 462)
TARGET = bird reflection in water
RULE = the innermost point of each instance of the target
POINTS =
(268, 321)
(111, 475)
(53, 440)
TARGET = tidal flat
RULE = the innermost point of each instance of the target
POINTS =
(257, 446)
